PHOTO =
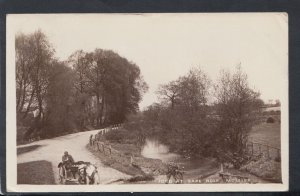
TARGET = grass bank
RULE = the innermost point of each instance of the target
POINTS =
(35, 172)
(266, 133)
(127, 159)
(264, 168)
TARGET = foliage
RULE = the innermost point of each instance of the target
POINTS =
(270, 120)
(189, 123)
(89, 89)
(180, 120)
(113, 83)
(264, 168)
(115, 135)
(60, 100)
(238, 107)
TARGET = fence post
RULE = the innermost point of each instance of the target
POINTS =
(109, 149)
(252, 151)
(98, 146)
(259, 147)
(268, 153)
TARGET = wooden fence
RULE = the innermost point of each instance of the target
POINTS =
(259, 149)
(99, 145)
(115, 155)
(107, 129)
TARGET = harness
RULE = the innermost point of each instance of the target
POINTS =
(85, 174)
(84, 170)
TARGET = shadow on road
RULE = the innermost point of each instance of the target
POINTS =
(26, 149)
(35, 172)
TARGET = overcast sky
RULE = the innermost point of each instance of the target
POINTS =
(166, 46)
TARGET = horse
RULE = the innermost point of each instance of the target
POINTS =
(88, 174)
(63, 174)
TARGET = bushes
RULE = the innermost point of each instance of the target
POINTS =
(118, 135)
(264, 168)
(270, 120)
(113, 136)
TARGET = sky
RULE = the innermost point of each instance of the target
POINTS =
(166, 46)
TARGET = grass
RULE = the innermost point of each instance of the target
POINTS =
(265, 168)
(142, 169)
(126, 149)
(121, 165)
(26, 149)
(266, 133)
(35, 172)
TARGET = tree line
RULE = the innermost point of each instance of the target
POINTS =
(198, 117)
(89, 89)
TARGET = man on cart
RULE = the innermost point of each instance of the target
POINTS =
(67, 161)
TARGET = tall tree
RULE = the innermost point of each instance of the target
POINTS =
(186, 118)
(34, 54)
(79, 62)
(238, 107)
(114, 83)
(169, 92)
(61, 107)
(41, 61)
(25, 92)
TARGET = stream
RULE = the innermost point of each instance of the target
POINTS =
(155, 150)
(193, 168)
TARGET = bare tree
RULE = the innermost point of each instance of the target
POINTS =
(25, 92)
(34, 55)
(169, 92)
(238, 107)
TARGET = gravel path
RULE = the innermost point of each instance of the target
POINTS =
(52, 150)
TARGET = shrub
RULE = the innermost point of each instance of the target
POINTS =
(115, 135)
(270, 120)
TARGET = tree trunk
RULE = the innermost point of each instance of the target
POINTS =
(102, 110)
(98, 113)
(29, 104)
(23, 99)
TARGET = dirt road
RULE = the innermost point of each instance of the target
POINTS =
(51, 150)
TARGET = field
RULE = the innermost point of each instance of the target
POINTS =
(266, 133)
(35, 172)
(268, 166)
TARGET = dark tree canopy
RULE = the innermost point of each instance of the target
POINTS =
(90, 89)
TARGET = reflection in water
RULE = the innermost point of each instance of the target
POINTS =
(155, 150)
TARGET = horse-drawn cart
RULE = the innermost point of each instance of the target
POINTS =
(78, 173)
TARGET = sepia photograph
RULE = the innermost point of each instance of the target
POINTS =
(147, 102)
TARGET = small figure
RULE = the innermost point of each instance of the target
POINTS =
(67, 161)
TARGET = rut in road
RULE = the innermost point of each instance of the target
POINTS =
(52, 150)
